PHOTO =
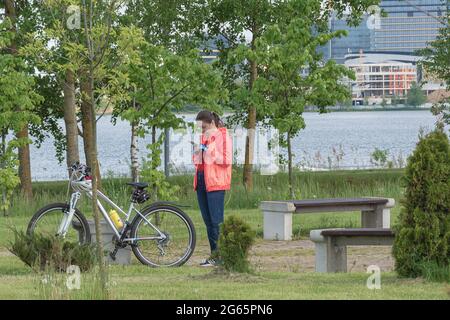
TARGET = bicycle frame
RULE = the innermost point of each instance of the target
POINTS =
(80, 186)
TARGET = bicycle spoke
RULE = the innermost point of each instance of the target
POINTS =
(169, 251)
(48, 223)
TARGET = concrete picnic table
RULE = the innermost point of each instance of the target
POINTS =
(375, 213)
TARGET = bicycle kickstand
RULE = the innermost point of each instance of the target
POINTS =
(113, 253)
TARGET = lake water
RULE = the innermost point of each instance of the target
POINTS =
(333, 140)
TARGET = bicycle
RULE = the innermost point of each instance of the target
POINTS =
(161, 234)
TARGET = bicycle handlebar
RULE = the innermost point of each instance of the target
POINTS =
(80, 168)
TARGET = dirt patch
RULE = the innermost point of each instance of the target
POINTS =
(299, 256)
(294, 256)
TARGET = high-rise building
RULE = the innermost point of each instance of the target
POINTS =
(358, 38)
(408, 26)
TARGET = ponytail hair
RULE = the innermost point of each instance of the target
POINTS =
(219, 123)
(209, 117)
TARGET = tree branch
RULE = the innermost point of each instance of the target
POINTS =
(169, 100)
(103, 113)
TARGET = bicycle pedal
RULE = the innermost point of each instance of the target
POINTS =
(113, 255)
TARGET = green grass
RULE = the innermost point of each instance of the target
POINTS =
(191, 282)
(307, 185)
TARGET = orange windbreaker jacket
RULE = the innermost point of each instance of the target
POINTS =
(217, 160)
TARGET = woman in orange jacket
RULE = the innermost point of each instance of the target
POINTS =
(212, 159)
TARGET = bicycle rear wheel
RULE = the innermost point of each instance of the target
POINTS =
(47, 220)
(178, 228)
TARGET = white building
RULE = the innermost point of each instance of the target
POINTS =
(381, 76)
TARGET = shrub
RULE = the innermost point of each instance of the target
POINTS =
(43, 252)
(423, 231)
(379, 157)
(235, 241)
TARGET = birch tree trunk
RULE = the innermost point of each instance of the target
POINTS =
(134, 152)
(2, 165)
(291, 177)
(251, 125)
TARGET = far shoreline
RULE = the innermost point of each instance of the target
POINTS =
(342, 109)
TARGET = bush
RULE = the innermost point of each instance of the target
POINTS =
(235, 241)
(423, 232)
(41, 252)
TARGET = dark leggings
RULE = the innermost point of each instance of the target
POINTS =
(212, 208)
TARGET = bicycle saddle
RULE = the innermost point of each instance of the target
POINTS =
(139, 185)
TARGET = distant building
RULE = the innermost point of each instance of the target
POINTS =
(384, 56)
(209, 56)
(381, 76)
(409, 26)
(359, 38)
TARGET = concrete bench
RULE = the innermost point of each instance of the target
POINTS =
(331, 245)
(375, 213)
(123, 255)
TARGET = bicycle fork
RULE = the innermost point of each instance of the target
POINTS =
(68, 216)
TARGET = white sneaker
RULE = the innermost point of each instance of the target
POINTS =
(208, 263)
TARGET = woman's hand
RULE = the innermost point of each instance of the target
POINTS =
(196, 147)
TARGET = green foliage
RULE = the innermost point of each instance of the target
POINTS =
(51, 253)
(162, 189)
(380, 158)
(423, 232)
(415, 96)
(293, 75)
(229, 21)
(235, 240)
(437, 64)
(8, 182)
(17, 103)
(162, 83)
(172, 24)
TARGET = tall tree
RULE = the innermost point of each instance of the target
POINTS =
(233, 23)
(97, 76)
(294, 75)
(84, 54)
(44, 51)
(22, 134)
(172, 25)
(17, 101)
(162, 83)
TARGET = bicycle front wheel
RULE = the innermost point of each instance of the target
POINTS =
(48, 219)
(179, 239)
